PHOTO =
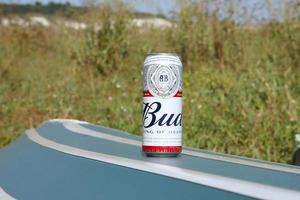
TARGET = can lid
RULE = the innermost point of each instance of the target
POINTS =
(166, 54)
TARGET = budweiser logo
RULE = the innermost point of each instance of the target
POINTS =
(151, 113)
(163, 81)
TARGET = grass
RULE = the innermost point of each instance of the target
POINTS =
(241, 84)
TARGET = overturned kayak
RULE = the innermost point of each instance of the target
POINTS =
(70, 159)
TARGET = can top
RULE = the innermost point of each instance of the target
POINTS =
(165, 54)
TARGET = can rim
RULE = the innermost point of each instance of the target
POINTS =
(157, 54)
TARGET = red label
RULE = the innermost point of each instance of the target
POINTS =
(162, 149)
(148, 94)
(178, 94)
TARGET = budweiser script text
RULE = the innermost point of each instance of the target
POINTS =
(151, 118)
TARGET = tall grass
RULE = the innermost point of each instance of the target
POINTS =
(107, 40)
(241, 83)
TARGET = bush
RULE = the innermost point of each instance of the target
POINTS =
(106, 42)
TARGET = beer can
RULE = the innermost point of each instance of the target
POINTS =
(162, 105)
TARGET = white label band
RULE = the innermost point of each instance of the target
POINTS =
(162, 121)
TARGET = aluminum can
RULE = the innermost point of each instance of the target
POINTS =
(162, 105)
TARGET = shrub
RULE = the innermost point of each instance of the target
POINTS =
(106, 43)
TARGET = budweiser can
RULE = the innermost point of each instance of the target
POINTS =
(162, 105)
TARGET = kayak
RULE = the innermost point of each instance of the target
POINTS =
(71, 159)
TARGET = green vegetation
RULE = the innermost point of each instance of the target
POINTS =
(241, 83)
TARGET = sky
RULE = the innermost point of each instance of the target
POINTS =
(258, 8)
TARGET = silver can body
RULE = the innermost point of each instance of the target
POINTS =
(162, 105)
